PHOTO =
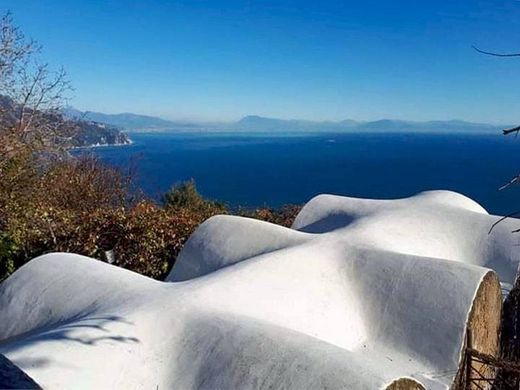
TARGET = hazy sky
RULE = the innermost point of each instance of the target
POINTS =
(220, 60)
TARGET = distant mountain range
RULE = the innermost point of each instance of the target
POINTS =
(128, 121)
(261, 124)
(258, 124)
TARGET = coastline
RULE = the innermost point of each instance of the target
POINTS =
(99, 145)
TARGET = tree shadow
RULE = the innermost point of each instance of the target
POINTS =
(70, 331)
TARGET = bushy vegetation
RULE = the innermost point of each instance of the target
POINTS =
(82, 206)
(184, 196)
(283, 216)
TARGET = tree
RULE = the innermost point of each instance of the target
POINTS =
(31, 97)
(31, 126)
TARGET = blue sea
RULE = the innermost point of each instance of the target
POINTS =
(256, 170)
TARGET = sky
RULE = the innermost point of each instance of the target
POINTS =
(318, 60)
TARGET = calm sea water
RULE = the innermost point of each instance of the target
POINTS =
(266, 170)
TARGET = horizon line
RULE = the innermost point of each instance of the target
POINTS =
(317, 121)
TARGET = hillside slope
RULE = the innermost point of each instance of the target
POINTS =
(71, 132)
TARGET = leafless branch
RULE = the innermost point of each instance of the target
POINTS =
(511, 182)
(513, 130)
(14, 48)
(31, 96)
(489, 53)
(502, 219)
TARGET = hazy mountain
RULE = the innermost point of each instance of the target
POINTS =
(129, 121)
(451, 126)
(255, 123)
(260, 124)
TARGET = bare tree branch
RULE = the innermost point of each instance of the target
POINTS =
(31, 98)
(489, 53)
(513, 130)
(14, 48)
(502, 219)
(511, 182)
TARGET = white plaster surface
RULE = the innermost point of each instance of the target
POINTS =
(357, 294)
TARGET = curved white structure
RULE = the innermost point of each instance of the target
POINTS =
(361, 294)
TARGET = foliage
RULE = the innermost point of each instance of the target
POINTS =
(186, 196)
(283, 216)
(7, 256)
(43, 205)
(83, 206)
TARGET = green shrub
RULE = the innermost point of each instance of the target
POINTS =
(186, 196)
(8, 254)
